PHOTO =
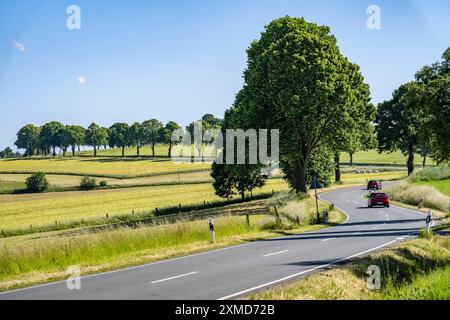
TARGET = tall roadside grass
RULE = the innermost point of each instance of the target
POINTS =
(412, 194)
(21, 263)
(431, 174)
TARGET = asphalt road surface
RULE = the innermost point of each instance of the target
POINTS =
(232, 272)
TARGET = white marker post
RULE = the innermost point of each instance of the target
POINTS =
(211, 230)
(429, 220)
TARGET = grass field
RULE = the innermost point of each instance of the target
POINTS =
(416, 269)
(352, 178)
(373, 157)
(442, 185)
(19, 211)
(102, 167)
(18, 180)
(146, 151)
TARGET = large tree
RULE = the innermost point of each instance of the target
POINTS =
(398, 122)
(65, 139)
(119, 136)
(297, 81)
(153, 131)
(50, 135)
(77, 137)
(196, 130)
(137, 137)
(96, 136)
(167, 134)
(28, 139)
(434, 84)
(230, 179)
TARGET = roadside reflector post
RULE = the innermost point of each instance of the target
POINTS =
(326, 216)
(212, 233)
(429, 220)
(248, 218)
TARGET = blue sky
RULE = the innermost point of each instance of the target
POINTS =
(179, 59)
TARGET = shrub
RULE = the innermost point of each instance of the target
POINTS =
(37, 182)
(103, 184)
(88, 183)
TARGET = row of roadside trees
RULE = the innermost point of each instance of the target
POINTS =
(46, 139)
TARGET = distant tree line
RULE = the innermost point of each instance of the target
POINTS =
(46, 139)
(9, 153)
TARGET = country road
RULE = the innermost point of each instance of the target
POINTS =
(232, 272)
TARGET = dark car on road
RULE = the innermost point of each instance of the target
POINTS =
(374, 185)
(378, 199)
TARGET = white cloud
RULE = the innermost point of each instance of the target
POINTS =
(18, 46)
(82, 80)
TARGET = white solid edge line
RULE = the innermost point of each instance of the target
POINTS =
(175, 277)
(303, 272)
(275, 253)
(328, 239)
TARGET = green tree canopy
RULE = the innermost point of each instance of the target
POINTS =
(50, 135)
(434, 84)
(398, 122)
(153, 133)
(28, 139)
(96, 136)
(297, 81)
(168, 131)
(119, 136)
(137, 137)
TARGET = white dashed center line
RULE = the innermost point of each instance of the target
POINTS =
(175, 277)
(275, 253)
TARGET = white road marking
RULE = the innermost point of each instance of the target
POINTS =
(328, 239)
(175, 277)
(275, 253)
(303, 272)
(374, 228)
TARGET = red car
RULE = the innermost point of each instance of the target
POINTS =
(378, 199)
(374, 185)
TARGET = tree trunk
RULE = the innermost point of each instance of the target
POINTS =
(170, 150)
(299, 177)
(337, 169)
(138, 151)
(410, 162)
(243, 194)
(153, 150)
(73, 151)
(351, 159)
(54, 151)
(424, 163)
(123, 152)
(64, 151)
(79, 148)
(95, 151)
